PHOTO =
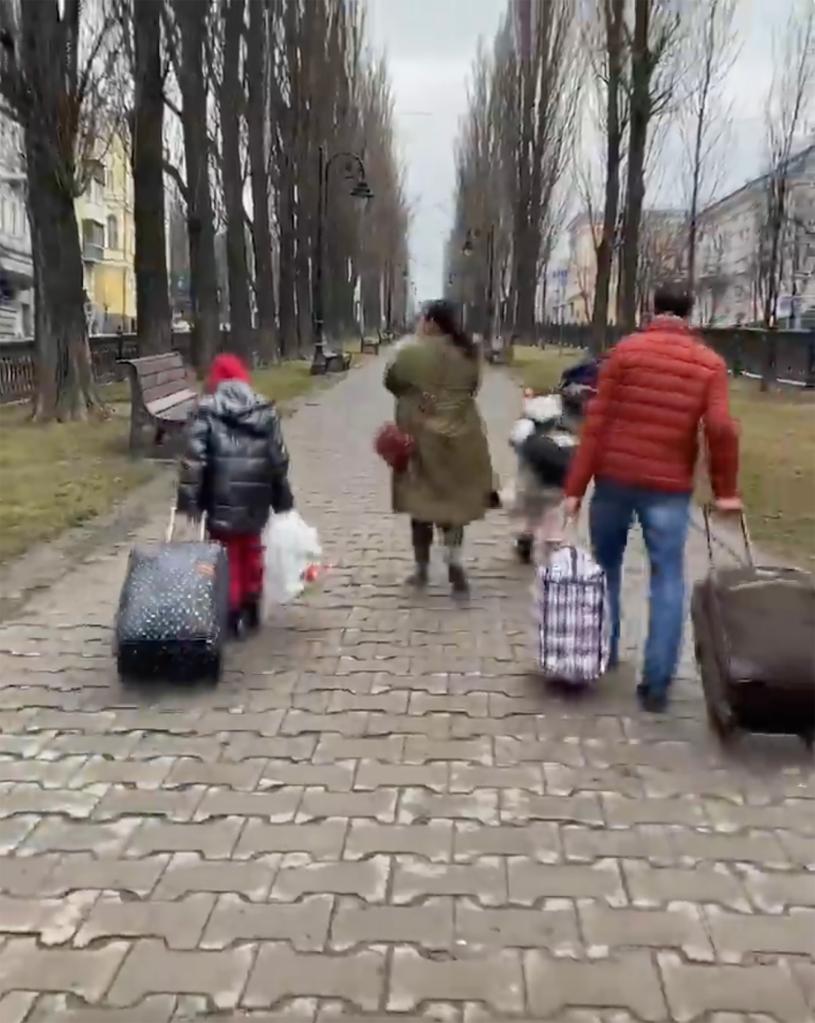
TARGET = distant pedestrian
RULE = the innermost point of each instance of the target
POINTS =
(639, 444)
(234, 470)
(448, 482)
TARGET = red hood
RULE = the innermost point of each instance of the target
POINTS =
(226, 367)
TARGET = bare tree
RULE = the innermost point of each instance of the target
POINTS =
(187, 25)
(230, 107)
(147, 163)
(712, 52)
(788, 103)
(514, 147)
(653, 42)
(258, 70)
(57, 79)
(547, 88)
(609, 71)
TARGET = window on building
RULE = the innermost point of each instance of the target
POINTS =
(113, 233)
(96, 180)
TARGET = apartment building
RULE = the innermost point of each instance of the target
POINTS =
(731, 260)
(16, 270)
(107, 234)
(572, 278)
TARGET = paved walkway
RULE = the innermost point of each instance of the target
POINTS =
(381, 813)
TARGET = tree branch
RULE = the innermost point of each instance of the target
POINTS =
(175, 174)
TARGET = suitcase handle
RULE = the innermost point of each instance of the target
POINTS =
(168, 537)
(745, 532)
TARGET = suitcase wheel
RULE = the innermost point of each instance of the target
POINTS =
(212, 675)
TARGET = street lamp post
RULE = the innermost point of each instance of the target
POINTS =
(361, 191)
(467, 250)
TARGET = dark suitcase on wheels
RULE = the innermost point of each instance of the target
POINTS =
(172, 617)
(754, 631)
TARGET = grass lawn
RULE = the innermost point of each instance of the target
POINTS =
(778, 467)
(60, 475)
(286, 382)
(540, 368)
(777, 453)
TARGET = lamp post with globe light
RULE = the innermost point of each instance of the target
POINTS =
(361, 192)
(467, 250)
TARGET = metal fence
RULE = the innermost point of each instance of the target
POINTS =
(18, 366)
(787, 356)
(784, 356)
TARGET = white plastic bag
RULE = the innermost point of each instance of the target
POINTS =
(291, 548)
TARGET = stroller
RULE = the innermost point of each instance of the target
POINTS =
(578, 384)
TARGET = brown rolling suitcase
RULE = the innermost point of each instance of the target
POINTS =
(754, 631)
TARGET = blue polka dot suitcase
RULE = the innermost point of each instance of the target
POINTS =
(172, 618)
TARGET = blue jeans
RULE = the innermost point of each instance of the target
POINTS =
(664, 521)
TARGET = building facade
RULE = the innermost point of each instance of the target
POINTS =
(16, 271)
(572, 278)
(731, 257)
(107, 235)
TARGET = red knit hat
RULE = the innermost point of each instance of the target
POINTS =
(226, 367)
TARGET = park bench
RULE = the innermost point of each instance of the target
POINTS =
(370, 344)
(500, 352)
(163, 396)
(329, 360)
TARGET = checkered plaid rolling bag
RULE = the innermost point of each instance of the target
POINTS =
(571, 611)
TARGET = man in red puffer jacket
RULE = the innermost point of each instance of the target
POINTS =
(639, 444)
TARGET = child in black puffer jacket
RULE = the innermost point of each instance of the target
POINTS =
(234, 471)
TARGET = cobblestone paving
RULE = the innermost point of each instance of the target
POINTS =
(381, 813)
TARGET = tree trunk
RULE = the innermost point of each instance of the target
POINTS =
(286, 250)
(192, 21)
(152, 289)
(635, 186)
(614, 13)
(65, 384)
(305, 330)
(256, 110)
(524, 280)
(231, 102)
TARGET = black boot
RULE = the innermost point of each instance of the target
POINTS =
(458, 581)
(237, 627)
(251, 615)
(523, 548)
(422, 534)
(419, 577)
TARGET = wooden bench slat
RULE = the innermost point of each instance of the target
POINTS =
(155, 363)
(150, 394)
(178, 375)
(169, 401)
(178, 414)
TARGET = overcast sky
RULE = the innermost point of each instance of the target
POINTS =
(430, 46)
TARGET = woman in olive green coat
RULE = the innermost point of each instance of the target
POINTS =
(449, 480)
